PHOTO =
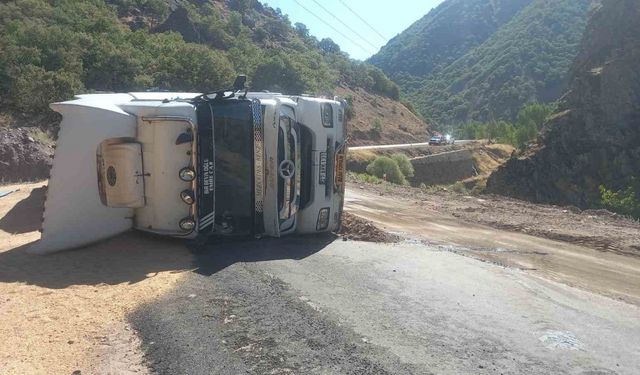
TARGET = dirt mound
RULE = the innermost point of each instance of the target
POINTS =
(358, 229)
(22, 158)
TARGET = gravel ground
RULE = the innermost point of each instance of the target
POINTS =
(598, 229)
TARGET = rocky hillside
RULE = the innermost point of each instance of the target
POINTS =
(594, 139)
(486, 59)
(375, 119)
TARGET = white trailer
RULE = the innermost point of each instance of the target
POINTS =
(189, 165)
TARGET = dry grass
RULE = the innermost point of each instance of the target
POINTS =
(488, 158)
(398, 124)
(361, 156)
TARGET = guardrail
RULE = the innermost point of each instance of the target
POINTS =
(401, 146)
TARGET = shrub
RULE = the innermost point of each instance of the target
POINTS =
(479, 187)
(625, 201)
(363, 177)
(350, 111)
(405, 164)
(377, 126)
(459, 188)
(384, 165)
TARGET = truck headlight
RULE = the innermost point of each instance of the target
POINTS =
(187, 174)
(323, 219)
(187, 197)
(187, 224)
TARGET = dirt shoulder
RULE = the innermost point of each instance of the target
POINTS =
(67, 312)
(597, 229)
(594, 251)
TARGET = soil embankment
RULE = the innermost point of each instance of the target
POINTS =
(22, 157)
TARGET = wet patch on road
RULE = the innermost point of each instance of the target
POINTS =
(483, 254)
(560, 340)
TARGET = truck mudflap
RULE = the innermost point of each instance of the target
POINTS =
(74, 215)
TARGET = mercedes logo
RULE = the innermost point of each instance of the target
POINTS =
(287, 169)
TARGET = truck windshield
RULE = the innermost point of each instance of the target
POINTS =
(228, 168)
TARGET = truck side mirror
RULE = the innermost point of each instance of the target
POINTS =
(239, 83)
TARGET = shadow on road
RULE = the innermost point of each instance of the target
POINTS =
(25, 216)
(134, 256)
(216, 256)
(129, 258)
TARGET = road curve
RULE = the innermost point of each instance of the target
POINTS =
(402, 146)
(318, 306)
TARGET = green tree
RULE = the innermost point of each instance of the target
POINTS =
(535, 114)
(35, 88)
(404, 163)
(302, 30)
(327, 45)
(385, 167)
(625, 201)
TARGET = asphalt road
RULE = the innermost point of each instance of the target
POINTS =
(319, 306)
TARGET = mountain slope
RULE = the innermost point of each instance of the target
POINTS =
(442, 36)
(594, 139)
(50, 51)
(526, 61)
(519, 57)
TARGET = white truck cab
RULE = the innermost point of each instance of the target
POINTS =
(191, 165)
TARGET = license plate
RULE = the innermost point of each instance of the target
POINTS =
(323, 169)
(339, 178)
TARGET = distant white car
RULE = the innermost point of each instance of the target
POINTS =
(439, 140)
(449, 139)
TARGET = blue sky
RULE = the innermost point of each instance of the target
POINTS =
(388, 18)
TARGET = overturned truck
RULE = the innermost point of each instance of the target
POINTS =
(190, 165)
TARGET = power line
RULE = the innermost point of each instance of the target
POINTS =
(345, 25)
(333, 28)
(364, 21)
